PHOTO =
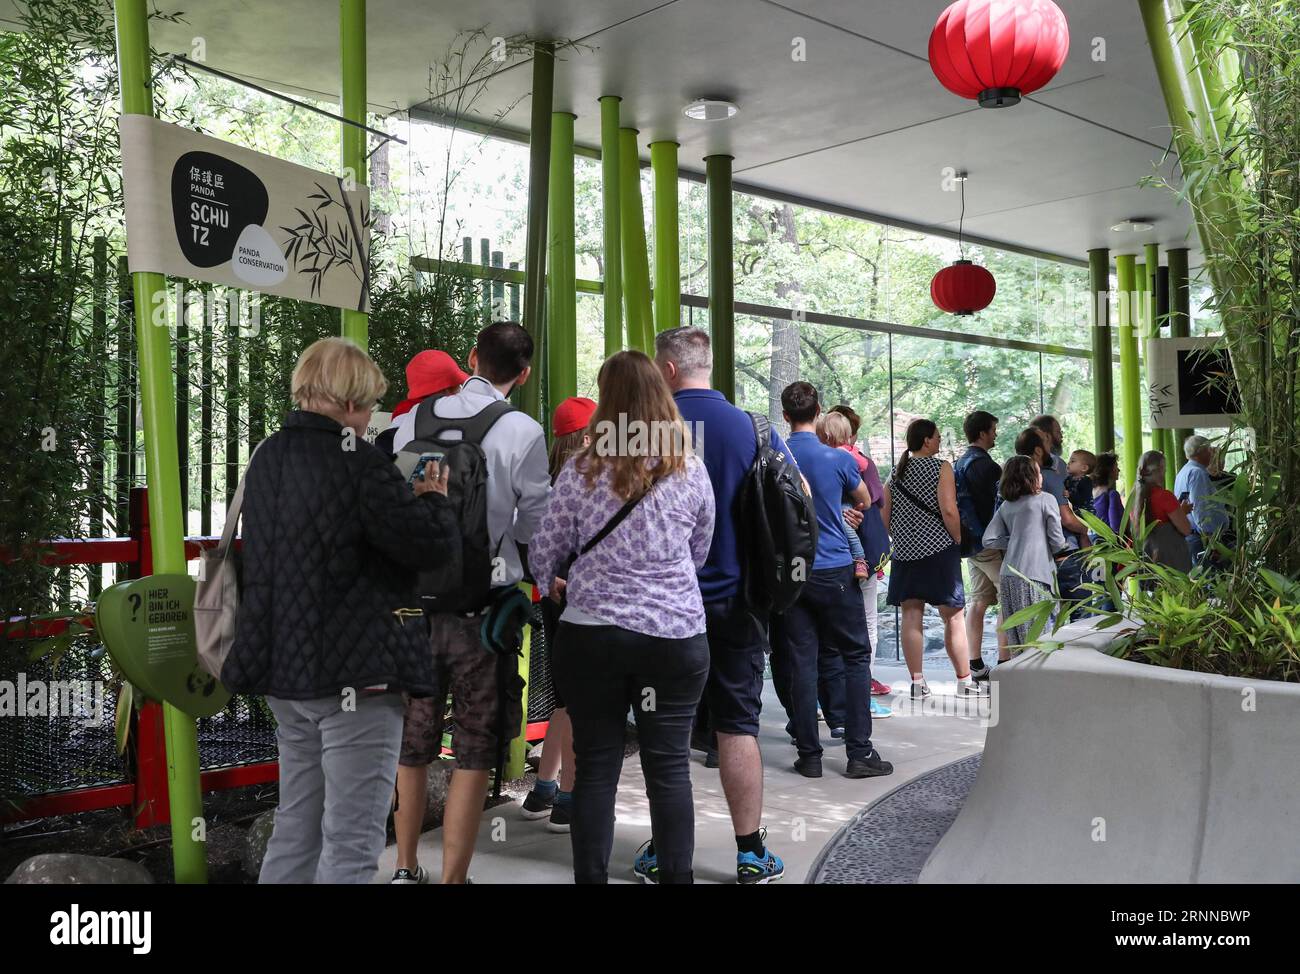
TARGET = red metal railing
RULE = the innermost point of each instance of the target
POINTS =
(146, 794)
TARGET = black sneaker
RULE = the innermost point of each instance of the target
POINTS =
(809, 767)
(872, 766)
(561, 817)
(535, 806)
(711, 759)
(410, 877)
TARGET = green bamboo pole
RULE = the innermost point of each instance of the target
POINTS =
(157, 399)
(722, 298)
(1180, 317)
(668, 257)
(613, 229)
(539, 163)
(561, 306)
(352, 61)
(1161, 439)
(98, 419)
(1130, 378)
(1194, 91)
(1103, 373)
(636, 264)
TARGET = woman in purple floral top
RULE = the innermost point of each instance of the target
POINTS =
(632, 633)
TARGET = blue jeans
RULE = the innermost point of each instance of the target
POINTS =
(826, 623)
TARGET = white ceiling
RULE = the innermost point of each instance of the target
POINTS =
(862, 123)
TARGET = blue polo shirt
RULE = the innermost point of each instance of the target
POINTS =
(729, 450)
(830, 474)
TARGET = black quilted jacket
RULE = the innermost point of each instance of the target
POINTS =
(332, 540)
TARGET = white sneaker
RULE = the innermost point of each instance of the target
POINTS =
(920, 689)
(405, 877)
(969, 688)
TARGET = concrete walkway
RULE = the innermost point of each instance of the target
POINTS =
(800, 814)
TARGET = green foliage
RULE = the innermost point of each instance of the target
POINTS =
(1232, 616)
(1242, 176)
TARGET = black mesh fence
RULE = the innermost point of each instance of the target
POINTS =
(541, 691)
(43, 752)
(57, 728)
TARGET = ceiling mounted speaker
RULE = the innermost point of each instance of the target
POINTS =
(963, 288)
(996, 51)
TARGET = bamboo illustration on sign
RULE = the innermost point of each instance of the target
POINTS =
(316, 239)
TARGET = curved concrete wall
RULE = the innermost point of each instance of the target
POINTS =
(1099, 770)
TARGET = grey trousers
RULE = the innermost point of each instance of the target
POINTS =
(337, 773)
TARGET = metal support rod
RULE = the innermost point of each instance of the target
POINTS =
(539, 163)
(636, 263)
(189, 846)
(1103, 376)
(561, 306)
(722, 298)
(98, 420)
(1130, 379)
(352, 61)
(668, 258)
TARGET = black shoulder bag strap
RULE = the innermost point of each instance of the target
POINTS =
(916, 501)
(762, 430)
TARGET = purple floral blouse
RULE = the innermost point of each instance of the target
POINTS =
(642, 576)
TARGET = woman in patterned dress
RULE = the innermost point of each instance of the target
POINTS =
(632, 633)
(920, 511)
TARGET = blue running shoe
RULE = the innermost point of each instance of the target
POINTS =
(646, 867)
(879, 711)
(751, 870)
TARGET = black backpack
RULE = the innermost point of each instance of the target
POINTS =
(464, 581)
(779, 525)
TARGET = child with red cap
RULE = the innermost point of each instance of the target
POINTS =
(430, 373)
(551, 795)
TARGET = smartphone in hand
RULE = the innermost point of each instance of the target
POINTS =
(420, 464)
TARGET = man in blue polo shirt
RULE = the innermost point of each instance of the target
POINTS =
(828, 616)
(724, 438)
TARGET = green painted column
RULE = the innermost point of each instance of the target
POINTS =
(722, 296)
(636, 263)
(613, 228)
(668, 256)
(1103, 373)
(162, 463)
(562, 291)
(352, 62)
(1130, 378)
(539, 163)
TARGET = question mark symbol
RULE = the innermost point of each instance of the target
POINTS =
(135, 600)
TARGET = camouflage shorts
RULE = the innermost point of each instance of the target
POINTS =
(468, 672)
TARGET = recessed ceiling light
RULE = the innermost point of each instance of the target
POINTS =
(1135, 224)
(710, 109)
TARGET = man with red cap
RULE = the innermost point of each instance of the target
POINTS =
(430, 373)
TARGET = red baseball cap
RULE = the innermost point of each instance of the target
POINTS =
(428, 372)
(572, 415)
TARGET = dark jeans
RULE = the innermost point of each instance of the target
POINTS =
(1070, 579)
(827, 619)
(601, 671)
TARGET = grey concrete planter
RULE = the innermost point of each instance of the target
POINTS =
(1099, 770)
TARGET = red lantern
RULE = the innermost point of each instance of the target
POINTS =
(963, 288)
(998, 50)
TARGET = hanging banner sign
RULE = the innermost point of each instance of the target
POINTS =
(203, 209)
(1190, 383)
